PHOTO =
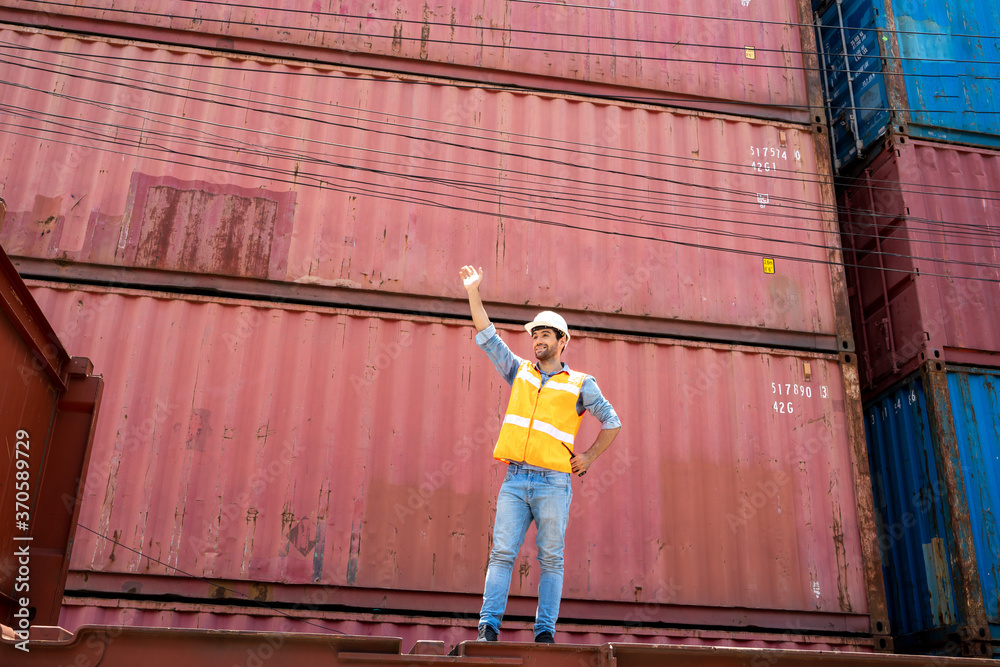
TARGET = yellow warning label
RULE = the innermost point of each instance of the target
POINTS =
(768, 265)
(751, 54)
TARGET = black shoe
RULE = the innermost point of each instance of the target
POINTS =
(545, 637)
(486, 633)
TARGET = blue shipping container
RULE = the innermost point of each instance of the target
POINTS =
(854, 85)
(974, 408)
(949, 56)
(909, 505)
(915, 528)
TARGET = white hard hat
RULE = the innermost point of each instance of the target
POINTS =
(547, 318)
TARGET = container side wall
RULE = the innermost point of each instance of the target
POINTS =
(976, 412)
(325, 447)
(910, 501)
(949, 60)
(854, 83)
(924, 224)
(174, 161)
(746, 57)
(941, 67)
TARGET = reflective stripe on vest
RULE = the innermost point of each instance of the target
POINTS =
(541, 421)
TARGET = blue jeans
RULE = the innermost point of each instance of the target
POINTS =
(526, 496)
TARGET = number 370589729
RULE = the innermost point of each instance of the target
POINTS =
(787, 391)
(22, 476)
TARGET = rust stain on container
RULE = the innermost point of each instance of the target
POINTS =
(929, 297)
(715, 472)
(645, 229)
(699, 56)
(227, 231)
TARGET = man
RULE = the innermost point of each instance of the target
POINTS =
(546, 406)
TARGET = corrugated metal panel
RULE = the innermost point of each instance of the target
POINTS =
(337, 448)
(934, 208)
(949, 60)
(947, 67)
(976, 413)
(855, 85)
(745, 54)
(371, 199)
(913, 531)
(78, 612)
(927, 505)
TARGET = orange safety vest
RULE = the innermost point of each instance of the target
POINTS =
(541, 419)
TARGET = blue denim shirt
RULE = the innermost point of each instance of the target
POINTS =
(506, 362)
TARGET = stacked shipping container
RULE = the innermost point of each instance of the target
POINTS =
(920, 218)
(406, 514)
(737, 57)
(295, 454)
(912, 67)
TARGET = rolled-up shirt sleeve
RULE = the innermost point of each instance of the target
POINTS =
(593, 400)
(505, 361)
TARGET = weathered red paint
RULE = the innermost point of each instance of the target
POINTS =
(300, 446)
(48, 405)
(935, 202)
(125, 646)
(450, 630)
(528, 164)
(741, 58)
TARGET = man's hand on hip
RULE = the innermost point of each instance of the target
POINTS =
(580, 462)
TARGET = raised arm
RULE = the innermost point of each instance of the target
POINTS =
(471, 279)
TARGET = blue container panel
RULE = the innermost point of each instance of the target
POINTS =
(872, 117)
(913, 532)
(864, 59)
(951, 74)
(976, 412)
(950, 59)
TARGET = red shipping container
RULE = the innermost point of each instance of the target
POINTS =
(746, 58)
(923, 223)
(348, 455)
(368, 191)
